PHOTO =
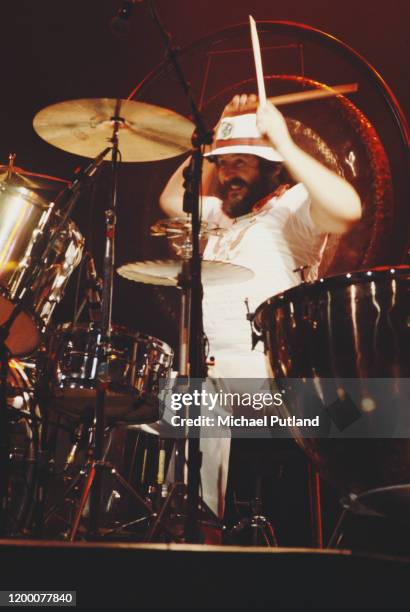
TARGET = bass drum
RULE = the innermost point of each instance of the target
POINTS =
(346, 332)
(24, 428)
(38, 253)
(136, 365)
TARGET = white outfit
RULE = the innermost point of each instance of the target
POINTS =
(272, 242)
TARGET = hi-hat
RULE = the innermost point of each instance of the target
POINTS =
(84, 127)
(166, 272)
(181, 226)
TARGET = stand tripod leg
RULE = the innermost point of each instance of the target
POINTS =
(154, 527)
(70, 488)
(83, 501)
(41, 398)
(130, 489)
(315, 506)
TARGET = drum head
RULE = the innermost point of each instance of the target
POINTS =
(24, 335)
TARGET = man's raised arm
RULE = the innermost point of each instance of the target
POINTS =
(335, 205)
(171, 199)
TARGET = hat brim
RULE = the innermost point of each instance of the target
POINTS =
(268, 153)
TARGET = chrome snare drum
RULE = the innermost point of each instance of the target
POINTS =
(32, 276)
(136, 364)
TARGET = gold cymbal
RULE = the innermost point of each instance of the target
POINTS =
(166, 272)
(84, 127)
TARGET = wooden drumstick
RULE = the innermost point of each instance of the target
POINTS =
(258, 61)
(314, 94)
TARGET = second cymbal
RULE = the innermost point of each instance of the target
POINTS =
(166, 272)
(84, 127)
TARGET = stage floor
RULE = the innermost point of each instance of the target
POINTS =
(178, 576)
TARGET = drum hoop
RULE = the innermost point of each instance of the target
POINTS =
(330, 282)
(67, 328)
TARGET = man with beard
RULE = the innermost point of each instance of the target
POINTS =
(277, 205)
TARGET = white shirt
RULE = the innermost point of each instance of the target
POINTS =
(272, 242)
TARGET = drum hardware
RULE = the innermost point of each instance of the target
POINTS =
(5, 430)
(46, 450)
(99, 121)
(178, 232)
(19, 448)
(47, 247)
(92, 297)
(34, 181)
(171, 273)
(257, 526)
(85, 431)
(190, 279)
(385, 502)
(301, 271)
(26, 425)
(255, 337)
(93, 483)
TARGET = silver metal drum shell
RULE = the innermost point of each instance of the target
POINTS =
(137, 363)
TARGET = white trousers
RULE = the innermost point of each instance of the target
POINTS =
(227, 375)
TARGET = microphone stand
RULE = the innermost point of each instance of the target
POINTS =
(190, 282)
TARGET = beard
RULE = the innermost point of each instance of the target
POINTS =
(238, 196)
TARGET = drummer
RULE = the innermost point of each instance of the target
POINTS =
(278, 204)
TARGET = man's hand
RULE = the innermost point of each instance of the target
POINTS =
(240, 105)
(271, 123)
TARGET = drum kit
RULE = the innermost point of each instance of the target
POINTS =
(56, 370)
(98, 376)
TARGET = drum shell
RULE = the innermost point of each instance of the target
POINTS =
(136, 364)
(349, 326)
(24, 433)
(32, 274)
(354, 326)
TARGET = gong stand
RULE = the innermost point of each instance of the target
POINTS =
(190, 282)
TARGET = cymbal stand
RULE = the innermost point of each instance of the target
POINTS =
(93, 484)
(191, 274)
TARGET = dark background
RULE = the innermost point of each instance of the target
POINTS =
(54, 51)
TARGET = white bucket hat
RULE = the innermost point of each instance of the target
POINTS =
(239, 134)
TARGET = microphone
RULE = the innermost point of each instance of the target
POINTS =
(120, 23)
(88, 171)
(93, 290)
